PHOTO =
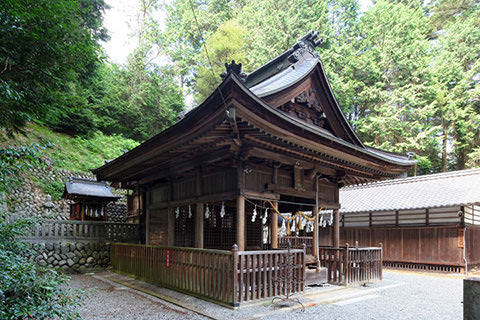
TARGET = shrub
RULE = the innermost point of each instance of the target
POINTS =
(28, 291)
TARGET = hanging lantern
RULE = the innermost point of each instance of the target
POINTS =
(207, 212)
(265, 215)
(189, 211)
(222, 211)
(177, 212)
(254, 215)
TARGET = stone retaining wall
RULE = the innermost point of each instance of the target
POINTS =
(72, 256)
(29, 200)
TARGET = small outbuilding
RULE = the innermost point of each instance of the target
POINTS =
(427, 222)
(89, 198)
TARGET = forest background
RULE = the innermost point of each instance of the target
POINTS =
(406, 73)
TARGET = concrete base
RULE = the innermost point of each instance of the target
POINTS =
(315, 276)
(471, 299)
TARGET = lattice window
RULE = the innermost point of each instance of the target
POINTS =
(254, 240)
(184, 227)
(219, 233)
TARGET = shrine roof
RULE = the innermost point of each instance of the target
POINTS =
(252, 95)
(454, 188)
(88, 188)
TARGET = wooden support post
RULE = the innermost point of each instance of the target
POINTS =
(147, 226)
(199, 225)
(315, 225)
(274, 226)
(240, 222)
(235, 291)
(171, 226)
(336, 228)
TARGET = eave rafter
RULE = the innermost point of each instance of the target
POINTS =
(266, 140)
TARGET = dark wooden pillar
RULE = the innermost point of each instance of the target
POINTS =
(240, 222)
(199, 214)
(315, 224)
(171, 227)
(274, 226)
(147, 226)
(336, 228)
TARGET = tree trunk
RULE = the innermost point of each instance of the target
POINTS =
(444, 148)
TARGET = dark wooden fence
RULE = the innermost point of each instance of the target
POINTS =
(267, 274)
(346, 265)
(351, 265)
(83, 230)
(226, 277)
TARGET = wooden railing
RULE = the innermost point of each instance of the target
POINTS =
(200, 272)
(83, 230)
(267, 274)
(296, 242)
(226, 277)
(350, 265)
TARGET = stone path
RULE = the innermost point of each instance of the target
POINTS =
(399, 296)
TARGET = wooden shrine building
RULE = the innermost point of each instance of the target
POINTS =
(89, 199)
(427, 222)
(274, 140)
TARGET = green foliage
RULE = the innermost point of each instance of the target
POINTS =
(75, 154)
(53, 188)
(15, 160)
(54, 46)
(227, 43)
(26, 289)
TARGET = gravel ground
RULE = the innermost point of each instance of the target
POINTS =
(400, 296)
(415, 296)
(107, 300)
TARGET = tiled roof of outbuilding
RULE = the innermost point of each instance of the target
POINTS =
(436, 190)
(88, 188)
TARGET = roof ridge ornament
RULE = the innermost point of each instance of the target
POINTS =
(235, 69)
(306, 46)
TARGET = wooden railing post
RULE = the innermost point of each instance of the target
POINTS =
(235, 299)
(380, 263)
(304, 276)
(346, 263)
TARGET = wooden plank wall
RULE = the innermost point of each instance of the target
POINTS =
(471, 215)
(211, 183)
(419, 217)
(422, 245)
(472, 243)
(158, 228)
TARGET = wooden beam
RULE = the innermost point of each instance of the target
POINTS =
(232, 120)
(203, 199)
(274, 226)
(277, 156)
(240, 222)
(199, 225)
(260, 195)
(188, 164)
(290, 191)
